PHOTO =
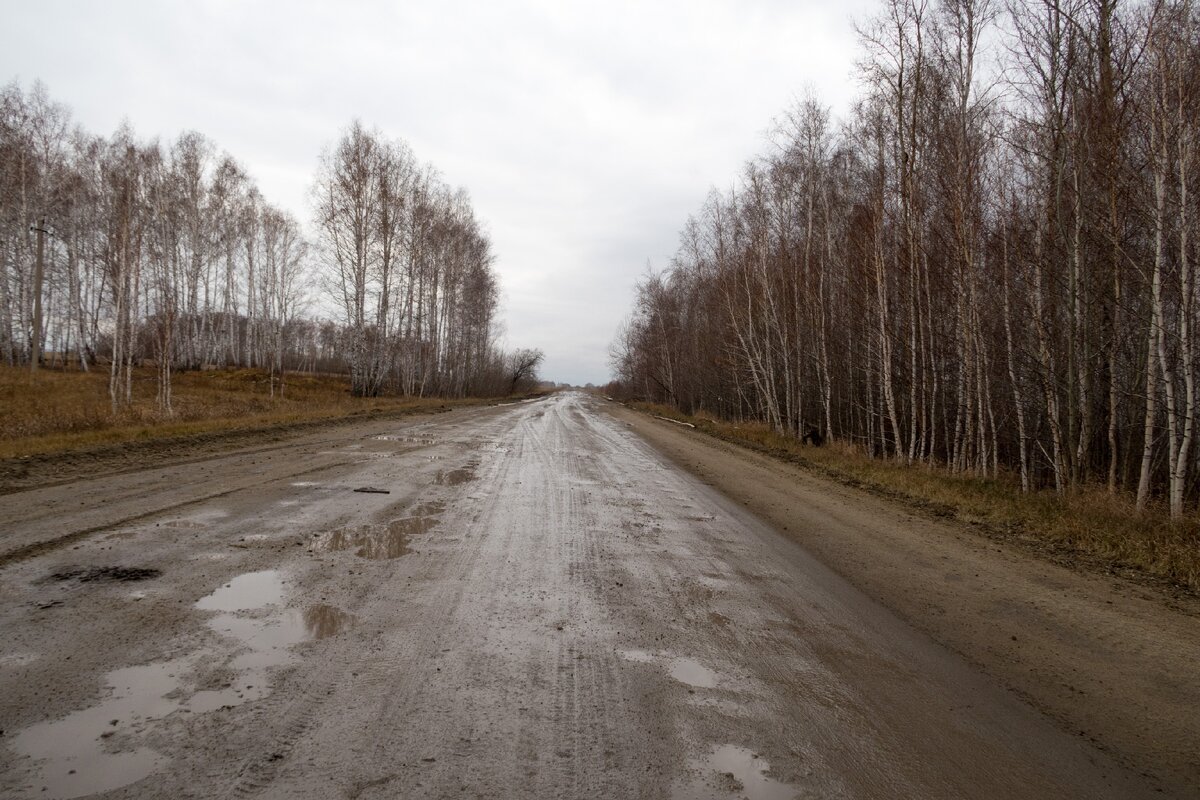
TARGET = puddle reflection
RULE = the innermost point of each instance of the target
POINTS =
(378, 542)
(731, 770)
(81, 753)
(76, 759)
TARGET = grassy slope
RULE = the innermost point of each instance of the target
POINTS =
(1089, 525)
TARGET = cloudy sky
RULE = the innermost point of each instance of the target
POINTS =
(585, 133)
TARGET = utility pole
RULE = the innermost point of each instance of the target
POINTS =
(36, 349)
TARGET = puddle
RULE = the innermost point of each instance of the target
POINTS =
(245, 592)
(183, 524)
(693, 673)
(421, 440)
(267, 643)
(81, 753)
(684, 670)
(731, 770)
(93, 574)
(379, 542)
(75, 751)
(324, 621)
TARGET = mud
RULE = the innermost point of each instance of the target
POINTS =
(1110, 660)
(578, 618)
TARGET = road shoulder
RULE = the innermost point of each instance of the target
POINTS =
(1107, 659)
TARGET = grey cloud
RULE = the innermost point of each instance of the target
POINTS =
(585, 132)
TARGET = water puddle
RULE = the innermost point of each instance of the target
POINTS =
(181, 524)
(684, 670)
(379, 542)
(322, 621)
(693, 673)
(75, 749)
(249, 591)
(94, 750)
(731, 770)
(421, 440)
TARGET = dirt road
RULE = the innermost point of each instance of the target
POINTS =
(541, 605)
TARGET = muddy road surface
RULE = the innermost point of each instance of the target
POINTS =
(522, 601)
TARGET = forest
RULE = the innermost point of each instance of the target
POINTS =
(988, 266)
(119, 253)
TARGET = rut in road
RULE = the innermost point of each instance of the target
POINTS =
(580, 619)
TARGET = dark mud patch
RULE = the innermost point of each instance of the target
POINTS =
(456, 477)
(104, 574)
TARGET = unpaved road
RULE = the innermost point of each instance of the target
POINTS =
(542, 605)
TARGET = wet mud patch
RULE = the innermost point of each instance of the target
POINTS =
(456, 477)
(104, 574)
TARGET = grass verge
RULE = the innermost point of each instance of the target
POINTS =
(1089, 527)
(53, 412)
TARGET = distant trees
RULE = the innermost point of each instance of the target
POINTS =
(168, 254)
(413, 269)
(968, 271)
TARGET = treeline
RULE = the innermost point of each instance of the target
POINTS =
(123, 252)
(989, 265)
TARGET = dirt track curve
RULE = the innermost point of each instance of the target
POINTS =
(540, 605)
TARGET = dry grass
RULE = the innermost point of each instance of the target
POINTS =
(55, 411)
(1089, 525)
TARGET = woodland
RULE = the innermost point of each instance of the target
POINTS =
(989, 266)
(123, 254)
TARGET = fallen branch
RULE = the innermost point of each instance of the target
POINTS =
(676, 421)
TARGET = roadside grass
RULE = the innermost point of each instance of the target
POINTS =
(55, 411)
(1089, 524)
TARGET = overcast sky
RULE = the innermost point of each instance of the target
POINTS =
(585, 133)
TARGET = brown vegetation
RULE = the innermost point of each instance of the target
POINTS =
(54, 411)
(1090, 526)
